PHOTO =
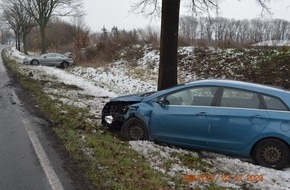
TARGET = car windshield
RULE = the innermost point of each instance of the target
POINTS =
(160, 91)
(146, 94)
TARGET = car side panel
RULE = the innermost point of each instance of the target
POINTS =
(42, 60)
(280, 123)
(183, 125)
(234, 128)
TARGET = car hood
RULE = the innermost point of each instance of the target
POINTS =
(132, 98)
(27, 58)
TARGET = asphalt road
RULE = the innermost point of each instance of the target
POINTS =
(24, 164)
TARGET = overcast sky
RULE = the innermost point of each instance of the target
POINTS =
(111, 13)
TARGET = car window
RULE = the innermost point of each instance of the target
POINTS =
(273, 103)
(49, 55)
(197, 96)
(239, 99)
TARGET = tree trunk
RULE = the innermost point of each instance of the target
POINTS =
(19, 42)
(42, 28)
(169, 44)
(24, 43)
(16, 42)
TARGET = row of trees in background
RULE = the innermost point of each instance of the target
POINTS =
(64, 36)
(223, 32)
(40, 12)
(46, 30)
(23, 15)
(219, 32)
(203, 31)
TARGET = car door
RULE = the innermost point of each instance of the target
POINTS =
(237, 121)
(51, 59)
(184, 117)
(45, 59)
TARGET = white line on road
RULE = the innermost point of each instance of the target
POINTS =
(42, 156)
(45, 163)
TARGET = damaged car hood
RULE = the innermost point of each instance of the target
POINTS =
(132, 98)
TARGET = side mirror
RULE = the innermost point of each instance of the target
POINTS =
(162, 101)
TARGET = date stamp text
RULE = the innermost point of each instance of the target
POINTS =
(201, 178)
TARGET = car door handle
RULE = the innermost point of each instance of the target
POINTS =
(202, 114)
(257, 116)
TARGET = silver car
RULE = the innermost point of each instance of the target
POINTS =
(49, 59)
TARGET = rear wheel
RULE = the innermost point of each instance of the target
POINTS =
(34, 62)
(64, 65)
(271, 153)
(134, 129)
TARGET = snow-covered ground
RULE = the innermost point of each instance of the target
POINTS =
(272, 43)
(94, 87)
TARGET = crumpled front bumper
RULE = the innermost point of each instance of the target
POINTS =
(113, 114)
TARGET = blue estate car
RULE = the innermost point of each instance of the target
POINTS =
(231, 117)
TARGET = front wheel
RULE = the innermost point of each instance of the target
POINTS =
(271, 153)
(134, 129)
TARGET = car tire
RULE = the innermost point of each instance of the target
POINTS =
(64, 65)
(134, 129)
(34, 62)
(271, 153)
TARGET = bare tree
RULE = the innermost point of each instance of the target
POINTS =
(43, 10)
(169, 31)
(149, 35)
(18, 20)
(59, 34)
(188, 29)
(10, 19)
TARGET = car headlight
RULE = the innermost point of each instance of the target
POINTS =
(109, 119)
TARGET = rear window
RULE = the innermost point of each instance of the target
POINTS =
(274, 103)
(239, 99)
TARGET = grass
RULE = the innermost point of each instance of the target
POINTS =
(193, 162)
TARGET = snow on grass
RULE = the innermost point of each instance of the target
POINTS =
(239, 171)
(96, 86)
(117, 78)
(272, 43)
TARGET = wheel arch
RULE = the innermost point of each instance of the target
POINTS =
(127, 125)
(137, 113)
(271, 152)
(64, 62)
(134, 116)
(31, 62)
(269, 137)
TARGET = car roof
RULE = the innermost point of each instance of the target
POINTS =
(52, 54)
(240, 84)
(263, 89)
